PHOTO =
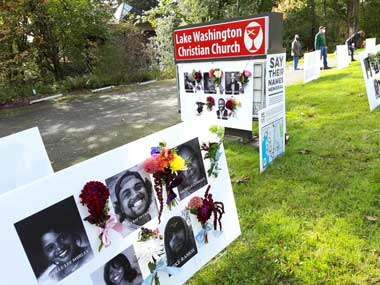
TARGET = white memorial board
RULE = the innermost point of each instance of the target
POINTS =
(342, 56)
(46, 241)
(23, 159)
(370, 62)
(312, 66)
(271, 134)
(275, 82)
(195, 93)
(370, 44)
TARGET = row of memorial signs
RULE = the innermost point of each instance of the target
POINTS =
(44, 233)
(44, 226)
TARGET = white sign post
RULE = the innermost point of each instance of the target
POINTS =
(271, 134)
(342, 56)
(312, 66)
(370, 62)
(23, 159)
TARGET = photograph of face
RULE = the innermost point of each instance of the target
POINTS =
(376, 84)
(194, 178)
(222, 112)
(232, 83)
(123, 269)
(368, 68)
(55, 241)
(209, 85)
(189, 82)
(179, 240)
(132, 196)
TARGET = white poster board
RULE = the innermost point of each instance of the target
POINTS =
(275, 79)
(342, 56)
(23, 159)
(194, 94)
(370, 44)
(312, 66)
(271, 134)
(48, 212)
(370, 62)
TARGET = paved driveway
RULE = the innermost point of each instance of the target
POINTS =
(79, 127)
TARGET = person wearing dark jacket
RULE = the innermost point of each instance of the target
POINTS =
(353, 42)
(296, 51)
(320, 44)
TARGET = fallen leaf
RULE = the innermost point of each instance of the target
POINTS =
(304, 151)
(240, 180)
(372, 219)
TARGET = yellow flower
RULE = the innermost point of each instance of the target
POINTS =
(178, 164)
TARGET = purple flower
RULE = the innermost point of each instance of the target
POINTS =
(155, 150)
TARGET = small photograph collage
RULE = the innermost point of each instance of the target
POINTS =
(56, 243)
(372, 67)
(214, 82)
(221, 91)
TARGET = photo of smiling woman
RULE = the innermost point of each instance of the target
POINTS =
(133, 199)
(123, 269)
(179, 240)
(55, 241)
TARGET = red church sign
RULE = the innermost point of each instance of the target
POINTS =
(230, 39)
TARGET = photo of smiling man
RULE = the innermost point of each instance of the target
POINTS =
(55, 241)
(132, 197)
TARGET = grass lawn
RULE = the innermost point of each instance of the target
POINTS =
(314, 216)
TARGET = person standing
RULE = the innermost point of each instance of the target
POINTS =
(296, 51)
(320, 44)
(353, 42)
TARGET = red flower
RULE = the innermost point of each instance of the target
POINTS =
(230, 105)
(95, 196)
(210, 100)
(198, 76)
(204, 213)
(211, 73)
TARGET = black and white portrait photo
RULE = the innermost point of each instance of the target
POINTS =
(55, 241)
(122, 269)
(232, 83)
(368, 69)
(209, 85)
(222, 113)
(376, 85)
(194, 178)
(189, 82)
(132, 197)
(179, 240)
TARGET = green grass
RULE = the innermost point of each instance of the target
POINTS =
(304, 221)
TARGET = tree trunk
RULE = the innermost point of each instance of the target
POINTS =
(313, 16)
(352, 16)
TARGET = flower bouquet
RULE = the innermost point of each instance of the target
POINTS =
(213, 153)
(244, 77)
(216, 75)
(204, 208)
(197, 75)
(95, 196)
(165, 165)
(232, 104)
(210, 102)
(152, 253)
